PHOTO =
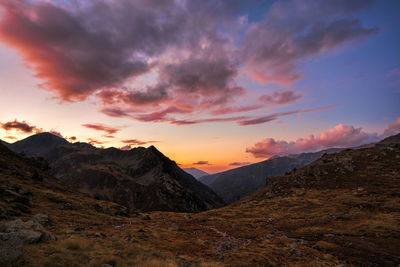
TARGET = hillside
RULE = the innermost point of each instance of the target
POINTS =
(139, 179)
(341, 210)
(237, 183)
(196, 173)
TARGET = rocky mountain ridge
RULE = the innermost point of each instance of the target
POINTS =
(140, 179)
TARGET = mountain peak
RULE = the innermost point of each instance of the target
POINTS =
(38, 143)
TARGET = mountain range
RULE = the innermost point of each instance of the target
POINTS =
(237, 183)
(340, 210)
(196, 173)
(139, 179)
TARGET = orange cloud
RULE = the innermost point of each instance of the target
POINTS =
(22, 126)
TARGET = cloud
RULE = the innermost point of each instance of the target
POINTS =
(210, 77)
(339, 136)
(10, 137)
(162, 114)
(174, 58)
(135, 142)
(239, 163)
(201, 162)
(274, 116)
(152, 95)
(229, 110)
(114, 112)
(240, 120)
(95, 142)
(97, 44)
(393, 128)
(226, 119)
(22, 126)
(280, 98)
(296, 29)
(101, 127)
(72, 138)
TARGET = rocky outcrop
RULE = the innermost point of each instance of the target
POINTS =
(16, 233)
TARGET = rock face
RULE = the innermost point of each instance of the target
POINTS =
(139, 179)
(235, 184)
(16, 233)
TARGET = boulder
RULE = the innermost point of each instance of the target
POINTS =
(16, 233)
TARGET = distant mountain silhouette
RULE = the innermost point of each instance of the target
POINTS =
(196, 173)
(237, 183)
(38, 144)
(140, 179)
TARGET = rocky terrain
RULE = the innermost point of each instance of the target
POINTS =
(341, 210)
(140, 179)
(237, 183)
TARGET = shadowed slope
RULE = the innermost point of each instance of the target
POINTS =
(235, 184)
(196, 173)
(140, 179)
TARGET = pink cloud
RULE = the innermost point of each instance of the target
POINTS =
(101, 127)
(229, 110)
(227, 119)
(79, 50)
(280, 98)
(274, 116)
(114, 112)
(338, 136)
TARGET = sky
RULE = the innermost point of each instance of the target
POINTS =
(213, 84)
